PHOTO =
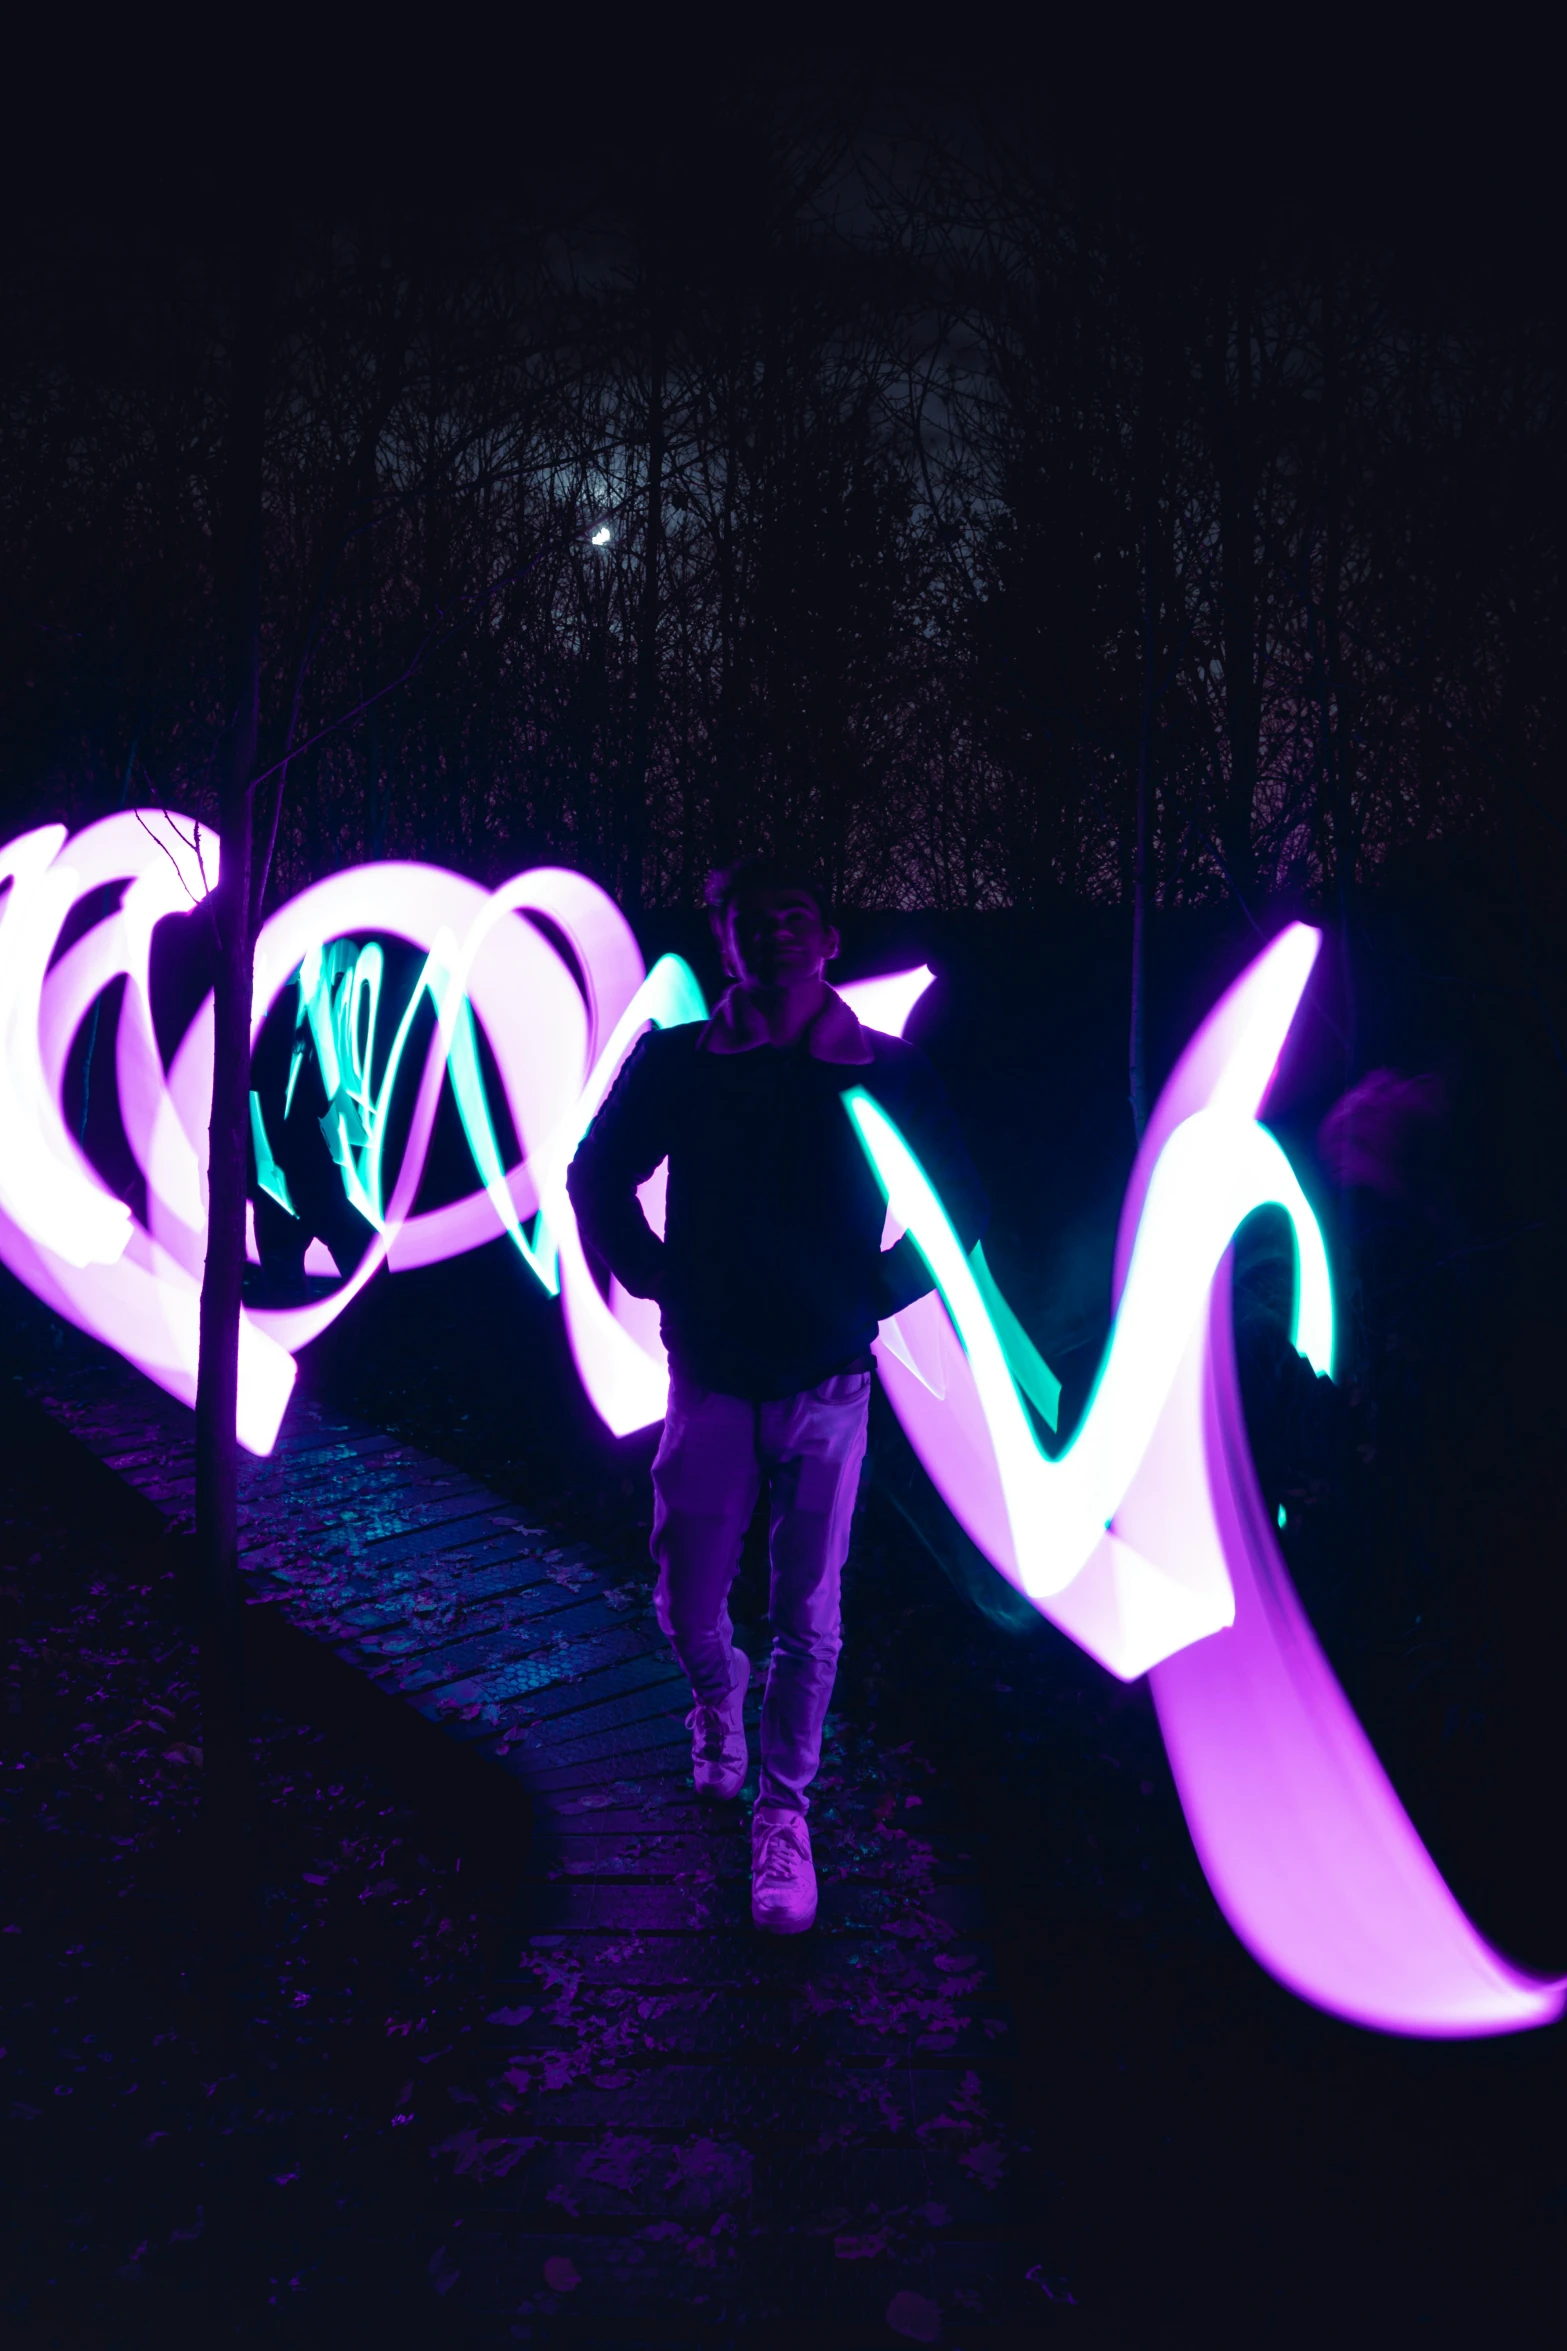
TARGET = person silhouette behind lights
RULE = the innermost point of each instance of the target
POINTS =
(771, 1281)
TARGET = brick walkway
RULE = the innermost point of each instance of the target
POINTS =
(687, 2133)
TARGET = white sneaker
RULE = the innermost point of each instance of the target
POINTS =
(783, 1875)
(718, 1757)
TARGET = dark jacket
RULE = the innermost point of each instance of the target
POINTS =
(771, 1275)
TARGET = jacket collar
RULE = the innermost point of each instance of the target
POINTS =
(737, 1027)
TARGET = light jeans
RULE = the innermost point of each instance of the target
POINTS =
(708, 1471)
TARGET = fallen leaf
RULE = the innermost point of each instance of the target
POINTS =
(560, 2275)
(486, 2159)
(914, 2316)
(1053, 2289)
(617, 2162)
(986, 2162)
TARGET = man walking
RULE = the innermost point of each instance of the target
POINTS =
(771, 1279)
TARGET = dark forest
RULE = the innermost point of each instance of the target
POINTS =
(875, 472)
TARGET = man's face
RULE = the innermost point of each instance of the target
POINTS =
(778, 938)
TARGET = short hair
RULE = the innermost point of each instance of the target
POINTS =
(758, 871)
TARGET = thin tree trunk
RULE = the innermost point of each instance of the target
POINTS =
(1231, 426)
(636, 820)
(724, 795)
(217, 1542)
(1337, 735)
(1142, 865)
(375, 819)
(1148, 454)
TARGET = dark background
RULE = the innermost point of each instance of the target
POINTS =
(983, 435)
(977, 430)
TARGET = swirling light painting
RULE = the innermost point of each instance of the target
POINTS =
(1145, 1539)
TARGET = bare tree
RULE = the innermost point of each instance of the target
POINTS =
(233, 902)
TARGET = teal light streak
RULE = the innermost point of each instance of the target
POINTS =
(1028, 1367)
(339, 1003)
(670, 996)
(1212, 1171)
(268, 1173)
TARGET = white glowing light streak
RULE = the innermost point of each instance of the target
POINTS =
(1146, 1541)
(886, 1003)
(558, 1048)
(1114, 1540)
(46, 1183)
(62, 1231)
(1214, 1170)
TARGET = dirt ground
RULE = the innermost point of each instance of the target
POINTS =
(221, 2079)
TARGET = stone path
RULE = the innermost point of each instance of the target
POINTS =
(687, 2133)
